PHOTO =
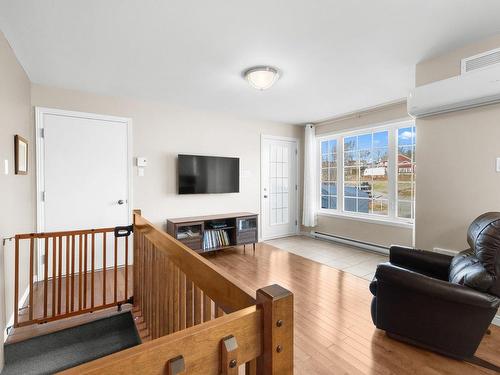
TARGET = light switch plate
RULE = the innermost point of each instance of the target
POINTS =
(498, 164)
(140, 171)
(142, 161)
(6, 166)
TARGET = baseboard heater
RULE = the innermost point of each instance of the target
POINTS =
(349, 241)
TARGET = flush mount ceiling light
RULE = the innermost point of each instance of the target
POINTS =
(261, 77)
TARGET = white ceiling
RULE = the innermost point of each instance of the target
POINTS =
(335, 56)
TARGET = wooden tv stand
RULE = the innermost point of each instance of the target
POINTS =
(210, 233)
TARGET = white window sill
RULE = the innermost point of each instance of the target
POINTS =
(368, 219)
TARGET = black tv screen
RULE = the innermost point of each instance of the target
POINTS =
(208, 174)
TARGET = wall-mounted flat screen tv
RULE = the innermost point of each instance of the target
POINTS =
(208, 174)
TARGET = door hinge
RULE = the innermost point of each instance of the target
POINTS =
(43, 196)
(296, 152)
(296, 222)
(42, 133)
(296, 187)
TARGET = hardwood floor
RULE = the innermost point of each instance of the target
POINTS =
(38, 289)
(23, 333)
(334, 333)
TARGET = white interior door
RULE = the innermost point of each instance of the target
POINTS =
(279, 187)
(83, 173)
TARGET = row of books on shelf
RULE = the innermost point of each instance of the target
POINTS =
(215, 238)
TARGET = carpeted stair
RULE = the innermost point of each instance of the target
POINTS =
(71, 347)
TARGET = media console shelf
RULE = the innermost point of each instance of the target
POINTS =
(215, 232)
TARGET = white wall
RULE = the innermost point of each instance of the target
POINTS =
(17, 192)
(160, 132)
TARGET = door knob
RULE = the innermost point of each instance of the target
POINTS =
(121, 201)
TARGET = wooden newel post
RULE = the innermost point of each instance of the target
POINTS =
(277, 307)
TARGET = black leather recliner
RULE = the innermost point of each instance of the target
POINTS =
(438, 302)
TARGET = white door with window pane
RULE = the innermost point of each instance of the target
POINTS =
(279, 187)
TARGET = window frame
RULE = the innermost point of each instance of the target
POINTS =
(391, 218)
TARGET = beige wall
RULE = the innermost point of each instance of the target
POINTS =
(160, 132)
(456, 152)
(375, 116)
(374, 233)
(17, 193)
(448, 64)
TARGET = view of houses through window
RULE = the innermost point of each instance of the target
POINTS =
(357, 172)
(365, 173)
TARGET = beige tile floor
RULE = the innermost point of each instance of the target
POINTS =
(354, 260)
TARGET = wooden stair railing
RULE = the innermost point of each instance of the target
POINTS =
(72, 281)
(196, 319)
(175, 288)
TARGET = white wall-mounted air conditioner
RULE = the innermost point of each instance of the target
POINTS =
(471, 89)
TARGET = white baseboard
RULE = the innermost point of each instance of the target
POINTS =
(351, 242)
(10, 322)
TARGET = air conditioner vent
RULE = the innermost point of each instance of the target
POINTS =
(480, 61)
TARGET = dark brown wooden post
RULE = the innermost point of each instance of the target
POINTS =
(276, 303)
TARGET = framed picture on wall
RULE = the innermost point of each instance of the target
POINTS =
(20, 155)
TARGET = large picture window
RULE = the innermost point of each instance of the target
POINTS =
(370, 172)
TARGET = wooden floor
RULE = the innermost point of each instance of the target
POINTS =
(23, 333)
(77, 296)
(334, 333)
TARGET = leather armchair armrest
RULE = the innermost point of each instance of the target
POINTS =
(426, 262)
(393, 276)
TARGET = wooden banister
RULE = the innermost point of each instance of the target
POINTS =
(216, 283)
(259, 337)
(193, 317)
(199, 345)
